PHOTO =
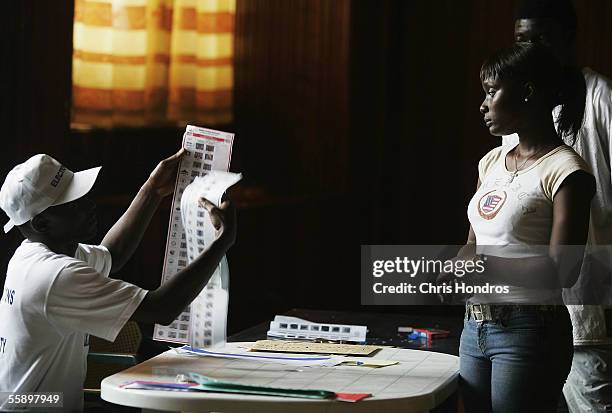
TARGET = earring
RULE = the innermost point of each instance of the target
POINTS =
(526, 100)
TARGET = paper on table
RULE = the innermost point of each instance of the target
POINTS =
(230, 387)
(206, 150)
(367, 362)
(297, 328)
(277, 358)
(319, 348)
(216, 386)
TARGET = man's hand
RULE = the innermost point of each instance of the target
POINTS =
(162, 179)
(223, 219)
(125, 235)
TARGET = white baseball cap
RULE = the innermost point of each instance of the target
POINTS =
(39, 183)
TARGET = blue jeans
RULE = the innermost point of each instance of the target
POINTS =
(589, 385)
(517, 363)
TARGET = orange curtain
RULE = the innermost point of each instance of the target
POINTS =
(153, 62)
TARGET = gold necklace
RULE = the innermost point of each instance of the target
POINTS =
(517, 168)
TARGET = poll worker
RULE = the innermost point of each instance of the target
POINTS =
(58, 290)
(532, 200)
(553, 23)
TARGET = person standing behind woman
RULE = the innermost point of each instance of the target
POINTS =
(553, 23)
(532, 199)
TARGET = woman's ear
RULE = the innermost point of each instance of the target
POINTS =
(528, 91)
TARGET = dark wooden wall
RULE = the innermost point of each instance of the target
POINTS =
(292, 95)
(357, 122)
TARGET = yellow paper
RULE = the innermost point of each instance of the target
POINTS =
(318, 348)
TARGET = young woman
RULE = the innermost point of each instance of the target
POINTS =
(529, 212)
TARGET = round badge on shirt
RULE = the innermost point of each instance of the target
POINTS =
(491, 203)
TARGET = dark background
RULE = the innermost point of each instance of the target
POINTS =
(356, 123)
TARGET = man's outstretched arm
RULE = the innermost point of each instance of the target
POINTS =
(166, 303)
(123, 238)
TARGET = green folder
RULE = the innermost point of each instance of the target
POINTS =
(208, 384)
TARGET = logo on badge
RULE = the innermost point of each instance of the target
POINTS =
(490, 203)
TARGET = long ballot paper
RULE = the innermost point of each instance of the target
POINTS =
(203, 323)
(209, 309)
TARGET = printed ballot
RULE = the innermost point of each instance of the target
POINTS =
(208, 320)
(202, 174)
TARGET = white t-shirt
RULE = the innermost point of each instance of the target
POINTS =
(593, 144)
(512, 214)
(50, 304)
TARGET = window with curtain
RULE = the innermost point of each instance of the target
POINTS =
(152, 62)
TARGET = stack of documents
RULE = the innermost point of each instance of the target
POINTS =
(277, 358)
